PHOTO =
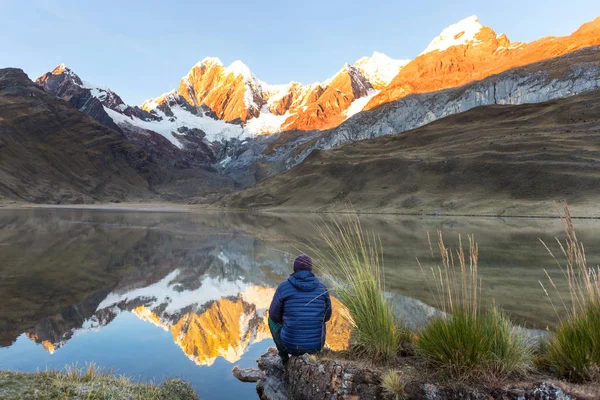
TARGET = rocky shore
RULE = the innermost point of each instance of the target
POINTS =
(328, 378)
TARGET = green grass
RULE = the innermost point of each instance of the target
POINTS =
(353, 259)
(574, 349)
(87, 384)
(469, 342)
(465, 346)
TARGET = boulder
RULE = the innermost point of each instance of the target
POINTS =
(247, 374)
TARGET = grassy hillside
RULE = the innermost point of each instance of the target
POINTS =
(50, 152)
(501, 160)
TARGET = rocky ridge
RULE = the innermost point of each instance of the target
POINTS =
(325, 378)
(469, 51)
(208, 130)
(495, 160)
(560, 77)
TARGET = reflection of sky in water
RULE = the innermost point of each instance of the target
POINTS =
(138, 349)
(159, 295)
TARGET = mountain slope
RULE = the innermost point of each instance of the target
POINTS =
(233, 94)
(50, 152)
(559, 77)
(512, 160)
(468, 51)
(463, 52)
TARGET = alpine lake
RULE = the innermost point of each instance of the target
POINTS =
(155, 294)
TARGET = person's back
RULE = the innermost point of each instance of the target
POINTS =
(300, 308)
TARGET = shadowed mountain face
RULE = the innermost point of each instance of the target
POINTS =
(52, 153)
(495, 159)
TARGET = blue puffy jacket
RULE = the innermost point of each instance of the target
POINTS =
(302, 306)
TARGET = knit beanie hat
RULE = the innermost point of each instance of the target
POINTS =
(303, 263)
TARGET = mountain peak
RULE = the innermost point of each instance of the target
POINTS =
(462, 32)
(209, 61)
(61, 69)
(239, 68)
(379, 69)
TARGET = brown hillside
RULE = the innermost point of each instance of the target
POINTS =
(512, 160)
(50, 152)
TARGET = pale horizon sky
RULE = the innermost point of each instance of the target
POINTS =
(141, 49)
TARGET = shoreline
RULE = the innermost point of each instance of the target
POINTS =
(330, 375)
(166, 207)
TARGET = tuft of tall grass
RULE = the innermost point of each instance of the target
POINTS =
(352, 259)
(469, 341)
(574, 349)
(392, 383)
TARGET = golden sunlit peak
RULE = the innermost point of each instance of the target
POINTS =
(49, 346)
(62, 68)
(145, 314)
(46, 344)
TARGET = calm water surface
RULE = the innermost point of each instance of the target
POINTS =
(157, 295)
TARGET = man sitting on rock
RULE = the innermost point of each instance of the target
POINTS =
(300, 308)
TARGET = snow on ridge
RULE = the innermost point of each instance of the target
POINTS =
(238, 68)
(357, 105)
(215, 129)
(266, 122)
(457, 34)
(164, 293)
(209, 60)
(380, 68)
(153, 103)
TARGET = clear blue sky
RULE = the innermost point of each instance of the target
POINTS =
(141, 49)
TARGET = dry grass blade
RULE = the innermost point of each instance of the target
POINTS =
(468, 341)
(352, 259)
(574, 349)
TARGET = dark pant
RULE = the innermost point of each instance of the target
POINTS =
(284, 352)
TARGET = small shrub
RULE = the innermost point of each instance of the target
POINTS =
(353, 261)
(176, 389)
(392, 383)
(468, 341)
(574, 349)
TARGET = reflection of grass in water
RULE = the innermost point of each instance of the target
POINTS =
(574, 349)
(469, 341)
(89, 383)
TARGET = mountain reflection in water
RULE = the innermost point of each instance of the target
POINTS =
(71, 278)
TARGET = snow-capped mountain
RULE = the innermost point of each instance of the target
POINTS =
(172, 118)
(469, 51)
(231, 102)
(379, 69)
(234, 94)
(221, 109)
(463, 32)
